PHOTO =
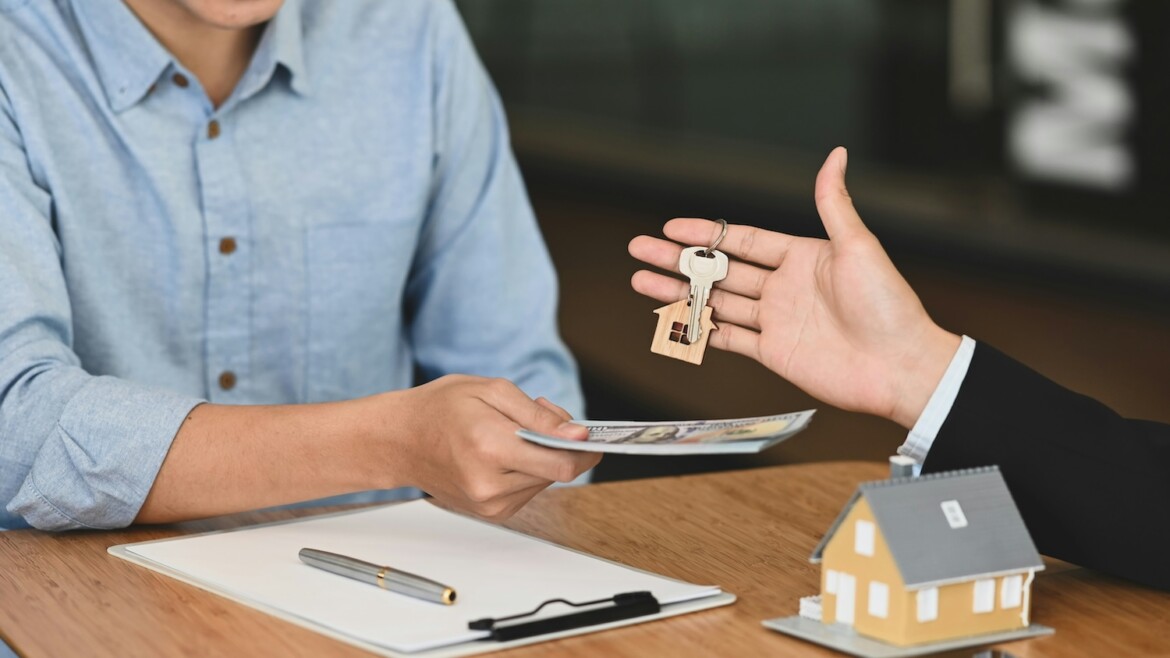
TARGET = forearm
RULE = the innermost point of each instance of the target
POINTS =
(454, 438)
(1084, 478)
(231, 458)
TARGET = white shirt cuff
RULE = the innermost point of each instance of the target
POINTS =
(922, 435)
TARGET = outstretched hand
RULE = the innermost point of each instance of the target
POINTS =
(455, 438)
(833, 316)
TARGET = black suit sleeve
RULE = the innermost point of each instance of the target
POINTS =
(1093, 487)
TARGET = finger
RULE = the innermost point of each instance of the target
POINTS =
(584, 462)
(833, 202)
(520, 481)
(512, 453)
(655, 251)
(574, 435)
(499, 507)
(732, 338)
(549, 463)
(509, 400)
(747, 243)
(741, 278)
(547, 404)
(727, 306)
(511, 481)
(503, 509)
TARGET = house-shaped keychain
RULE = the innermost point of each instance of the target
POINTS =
(670, 338)
(675, 337)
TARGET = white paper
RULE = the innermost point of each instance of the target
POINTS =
(689, 437)
(496, 572)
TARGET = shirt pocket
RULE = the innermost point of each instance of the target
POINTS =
(356, 277)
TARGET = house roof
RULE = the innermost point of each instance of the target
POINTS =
(934, 545)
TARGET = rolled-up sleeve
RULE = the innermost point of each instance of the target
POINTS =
(483, 293)
(76, 450)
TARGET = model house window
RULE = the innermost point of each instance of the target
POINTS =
(678, 333)
(830, 581)
(954, 513)
(1011, 593)
(928, 604)
(879, 599)
(984, 596)
(863, 538)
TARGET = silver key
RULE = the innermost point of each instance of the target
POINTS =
(704, 268)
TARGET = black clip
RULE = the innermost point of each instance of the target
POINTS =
(625, 606)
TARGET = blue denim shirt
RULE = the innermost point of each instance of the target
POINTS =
(351, 219)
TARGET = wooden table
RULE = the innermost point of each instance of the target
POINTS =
(750, 532)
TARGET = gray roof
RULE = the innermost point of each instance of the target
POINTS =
(928, 551)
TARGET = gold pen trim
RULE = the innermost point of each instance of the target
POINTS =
(446, 598)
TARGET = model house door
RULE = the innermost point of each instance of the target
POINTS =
(846, 598)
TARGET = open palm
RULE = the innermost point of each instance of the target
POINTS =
(833, 316)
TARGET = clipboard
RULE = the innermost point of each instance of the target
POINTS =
(502, 576)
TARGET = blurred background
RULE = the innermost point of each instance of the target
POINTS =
(1012, 155)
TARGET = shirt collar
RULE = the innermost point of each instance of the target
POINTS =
(129, 60)
(282, 43)
(126, 55)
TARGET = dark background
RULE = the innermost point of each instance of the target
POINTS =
(1011, 155)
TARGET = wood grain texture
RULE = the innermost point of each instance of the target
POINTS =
(750, 532)
(679, 313)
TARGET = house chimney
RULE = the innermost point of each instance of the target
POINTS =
(901, 467)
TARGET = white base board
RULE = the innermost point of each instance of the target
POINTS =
(846, 640)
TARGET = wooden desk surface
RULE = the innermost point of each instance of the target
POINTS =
(750, 532)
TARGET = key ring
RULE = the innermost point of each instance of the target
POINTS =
(722, 234)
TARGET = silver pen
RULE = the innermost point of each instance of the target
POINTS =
(375, 574)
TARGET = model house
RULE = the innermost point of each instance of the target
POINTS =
(917, 560)
(670, 338)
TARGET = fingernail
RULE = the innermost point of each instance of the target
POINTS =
(844, 160)
(569, 427)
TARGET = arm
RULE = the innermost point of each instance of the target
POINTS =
(454, 438)
(75, 450)
(1089, 483)
(833, 316)
(836, 319)
(78, 450)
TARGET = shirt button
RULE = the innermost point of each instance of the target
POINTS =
(227, 246)
(180, 80)
(227, 380)
(213, 129)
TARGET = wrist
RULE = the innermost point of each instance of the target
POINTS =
(380, 426)
(917, 377)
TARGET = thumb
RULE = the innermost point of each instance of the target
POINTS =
(567, 429)
(533, 414)
(547, 404)
(833, 202)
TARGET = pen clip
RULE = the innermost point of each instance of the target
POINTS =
(626, 605)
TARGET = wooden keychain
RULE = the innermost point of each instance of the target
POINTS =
(685, 326)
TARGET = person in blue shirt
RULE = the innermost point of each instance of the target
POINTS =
(234, 236)
(836, 318)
